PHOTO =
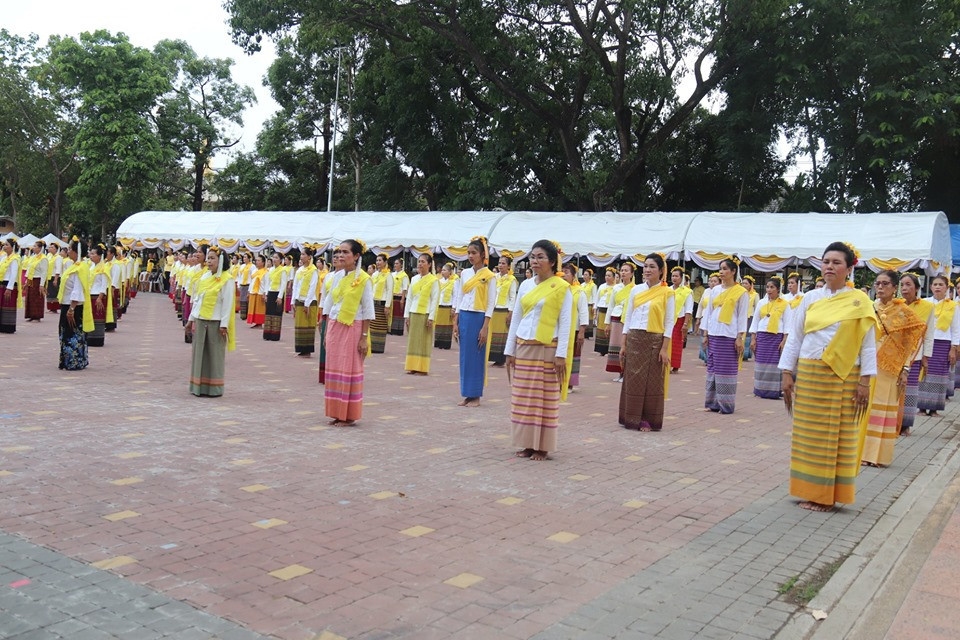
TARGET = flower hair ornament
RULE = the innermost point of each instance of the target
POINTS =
(483, 242)
(794, 274)
(778, 279)
(856, 254)
(680, 269)
(611, 270)
(751, 279)
(715, 274)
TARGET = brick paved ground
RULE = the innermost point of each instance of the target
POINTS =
(417, 523)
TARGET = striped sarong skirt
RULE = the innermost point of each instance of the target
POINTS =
(443, 328)
(97, 336)
(911, 396)
(616, 339)
(534, 396)
(256, 309)
(53, 288)
(243, 297)
(343, 375)
(209, 355)
(498, 335)
(273, 318)
(419, 344)
(602, 342)
(35, 300)
(288, 298)
(473, 358)
(641, 394)
(323, 349)
(676, 343)
(884, 425)
(8, 309)
(748, 346)
(766, 375)
(73, 342)
(304, 327)
(722, 367)
(379, 327)
(178, 301)
(575, 365)
(396, 322)
(588, 333)
(933, 387)
(826, 441)
(956, 377)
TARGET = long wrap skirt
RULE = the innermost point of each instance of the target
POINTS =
(111, 326)
(885, 411)
(473, 358)
(396, 321)
(378, 327)
(766, 374)
(951, 381)
(243, 299)
(209, 355)
(178, 301)
(498, 335)
(575, 365)
(748, 343)
(588, 333)
(8, 309)
(534, 396)
(35, 300)
(602, 342)
(256, 309)
(97, 336)
(676, 343)
(642, 394)
(73, 342)
(419, 344)
(304, 327)
(933, 387)
(616, 340)
(273, 320)
(826, 444)
(323, 349)
(53, 289)
(911, 396)
(288, 298)
(722, 368)
(343, 377)
(187, 308)
(443, 328)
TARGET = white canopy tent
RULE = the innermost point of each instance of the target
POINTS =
(765, 241)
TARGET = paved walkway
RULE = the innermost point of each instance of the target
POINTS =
(248, 510)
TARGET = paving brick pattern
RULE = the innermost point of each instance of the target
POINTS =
(419, 522)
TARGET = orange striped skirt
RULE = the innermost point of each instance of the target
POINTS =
(535, 396)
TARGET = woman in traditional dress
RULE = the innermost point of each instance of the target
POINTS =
(946, 337)
(256, 302)
(54, 272)
(116, 282)
(382, 302)
(305, 304)
(244, 275)
(923, 309)
(443, 326)
(601, 343)
(621, 292)
(748, 283)
(539, 353)
(34, 293)
(590, 292)
(325, 288)
(827, 366)
(500, 323)
(899, 339)
(76, 317)
(793, 295)
(349, 310)
(275, 285)
(700, 314)
(648, 321)
(288, 291)
(474, 296)
(579, 319)
(11, 289)
(101, 295)
(683, 307)
(419, 315)
(213, 323)
(401, 282)
(770, 327)
(819, 283)
(725, 329)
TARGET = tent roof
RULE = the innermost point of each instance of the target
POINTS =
(955, 242)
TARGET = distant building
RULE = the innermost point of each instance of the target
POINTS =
(6, 224)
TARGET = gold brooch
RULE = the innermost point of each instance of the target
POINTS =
(856, 303)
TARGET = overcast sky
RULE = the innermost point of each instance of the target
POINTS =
(201, 23)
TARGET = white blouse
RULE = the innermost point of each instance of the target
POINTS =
(311, 296)
(511, 295)
(57, 265)
(738, 324)
(464, 301)
(953, 333)
(613, 309)
(72, 291)
(761, 323)
(687, 304)
(812, 345)
(525, 326)
(927, 349)
(583, 311)
(413, 299)
(331, 308)
(12, 275)
(223, 308)
(99, 284)
(639, 317)
(604, 292)
(387, 287)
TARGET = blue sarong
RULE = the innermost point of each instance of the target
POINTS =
(473, 358)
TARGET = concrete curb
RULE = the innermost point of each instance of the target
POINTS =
(882, 568)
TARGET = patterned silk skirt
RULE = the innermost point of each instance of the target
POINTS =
(766, 374)
(273, 319)
(396, 323)
(379, 327)
(933, 388)
(535, 397)
(208, 363)
(8, 309)
(642, 394)
(616, 339)
(602, 342)
(722, 368)
(304, 327)
(73, 341)
(343, 377)
(498, 335)
(35, 300)
(243, 300)
(910, 397)
(676, 343)
(443, 328)
(419, 344)
(885, 411)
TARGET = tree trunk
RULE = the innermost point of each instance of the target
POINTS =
(199, 163)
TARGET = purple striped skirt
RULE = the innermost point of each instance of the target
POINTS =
(933, 388)
(766, 374)
(722, 368)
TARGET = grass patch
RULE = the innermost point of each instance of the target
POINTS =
(801, 593)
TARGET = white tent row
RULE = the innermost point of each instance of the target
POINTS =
(30, 239)
(765, 241)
